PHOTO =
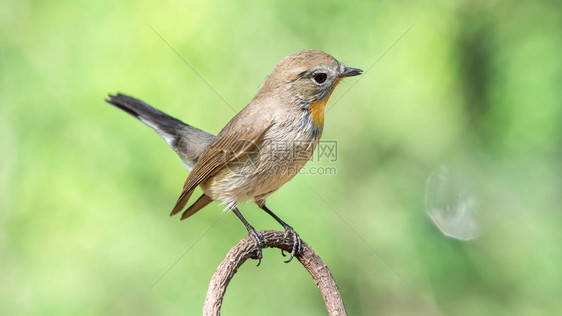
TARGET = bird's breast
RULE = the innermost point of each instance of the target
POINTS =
(277, 158)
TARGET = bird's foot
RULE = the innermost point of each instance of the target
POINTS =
(297, 245)
(259, 240)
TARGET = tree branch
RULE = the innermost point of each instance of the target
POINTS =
(246, 249)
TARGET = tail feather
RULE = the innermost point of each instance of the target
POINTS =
(187, 141)
(147, 114)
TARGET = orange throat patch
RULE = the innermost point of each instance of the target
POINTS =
(317, 109)
(317, 112)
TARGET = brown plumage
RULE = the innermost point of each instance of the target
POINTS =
(263, 146)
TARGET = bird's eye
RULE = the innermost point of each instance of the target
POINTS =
(320, 77)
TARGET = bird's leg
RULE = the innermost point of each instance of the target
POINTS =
(258, 238)
(288, 231)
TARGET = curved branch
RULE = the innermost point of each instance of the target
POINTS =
(246, 249)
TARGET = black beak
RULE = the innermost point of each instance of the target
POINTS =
(350, 72)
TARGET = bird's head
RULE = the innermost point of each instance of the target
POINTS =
(307, 78)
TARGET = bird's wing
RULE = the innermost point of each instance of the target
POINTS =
(232, 142)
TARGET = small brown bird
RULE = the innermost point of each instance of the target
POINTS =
(262, 147)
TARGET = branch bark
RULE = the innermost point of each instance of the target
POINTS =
(246, 249)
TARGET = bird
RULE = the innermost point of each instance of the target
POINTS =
(261, 148)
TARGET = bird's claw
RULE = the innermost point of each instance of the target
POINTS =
(259, 240)
(297, 245)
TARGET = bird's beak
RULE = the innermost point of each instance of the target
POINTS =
(350, 72)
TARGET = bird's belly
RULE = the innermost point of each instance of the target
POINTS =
(261, 172)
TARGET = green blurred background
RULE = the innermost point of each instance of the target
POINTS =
(474, 88)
